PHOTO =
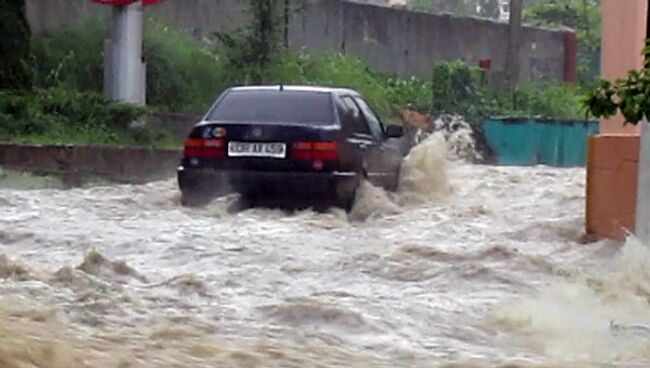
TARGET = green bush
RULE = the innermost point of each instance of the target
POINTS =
(71, 57)
(181, 74)
(250, 51)
(59, 115)
(409, 93)
(461, 89)
(548, 101)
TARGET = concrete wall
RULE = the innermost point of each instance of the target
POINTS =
(179, 125)
(392, 40)
(198, 17)
(122, 164)
(409, 42)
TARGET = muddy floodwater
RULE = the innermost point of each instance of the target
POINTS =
(468, 266)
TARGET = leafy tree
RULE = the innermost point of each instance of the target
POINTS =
(581, 15)
(14, 45)
(251, 50)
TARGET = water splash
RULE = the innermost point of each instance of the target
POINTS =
(424, 171)
(371, 202)
(459, 135)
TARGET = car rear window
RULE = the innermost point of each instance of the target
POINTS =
(292, 107)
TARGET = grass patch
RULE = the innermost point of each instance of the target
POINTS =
(64, 116)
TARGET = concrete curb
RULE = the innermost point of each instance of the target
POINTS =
(115, 163)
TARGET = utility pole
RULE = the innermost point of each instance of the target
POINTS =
(515, 34)
(124, 72)
(124, 67)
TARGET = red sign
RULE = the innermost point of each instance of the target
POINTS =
(125, 2)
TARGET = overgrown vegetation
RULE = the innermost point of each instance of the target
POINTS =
(49, 92)
(181, 75)
(62, 115)
(186, 76)
(458, 88)
(250, 51)
(461, 89)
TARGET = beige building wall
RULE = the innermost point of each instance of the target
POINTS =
(624, 31)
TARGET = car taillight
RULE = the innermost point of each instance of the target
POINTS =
(323, 151)
(204, 148)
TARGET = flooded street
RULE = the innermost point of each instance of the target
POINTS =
(469, 266)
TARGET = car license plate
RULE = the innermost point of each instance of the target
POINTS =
(252, 149)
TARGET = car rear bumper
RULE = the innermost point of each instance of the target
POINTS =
(278, 184)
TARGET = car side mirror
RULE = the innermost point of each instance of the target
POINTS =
(394, 131)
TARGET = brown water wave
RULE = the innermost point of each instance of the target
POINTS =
(467, 266)
(33, 337)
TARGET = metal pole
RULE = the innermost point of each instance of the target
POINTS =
(126, 64)
(514, 42)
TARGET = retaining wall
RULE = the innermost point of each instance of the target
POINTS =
(178, 125)
(121, 164)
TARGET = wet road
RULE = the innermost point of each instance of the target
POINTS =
(467, 266)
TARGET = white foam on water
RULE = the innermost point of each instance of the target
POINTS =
(597, 314)
(123, 276)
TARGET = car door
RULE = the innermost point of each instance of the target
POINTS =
(358, 137)
(386, 161)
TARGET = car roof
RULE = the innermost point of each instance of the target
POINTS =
(296, 88)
